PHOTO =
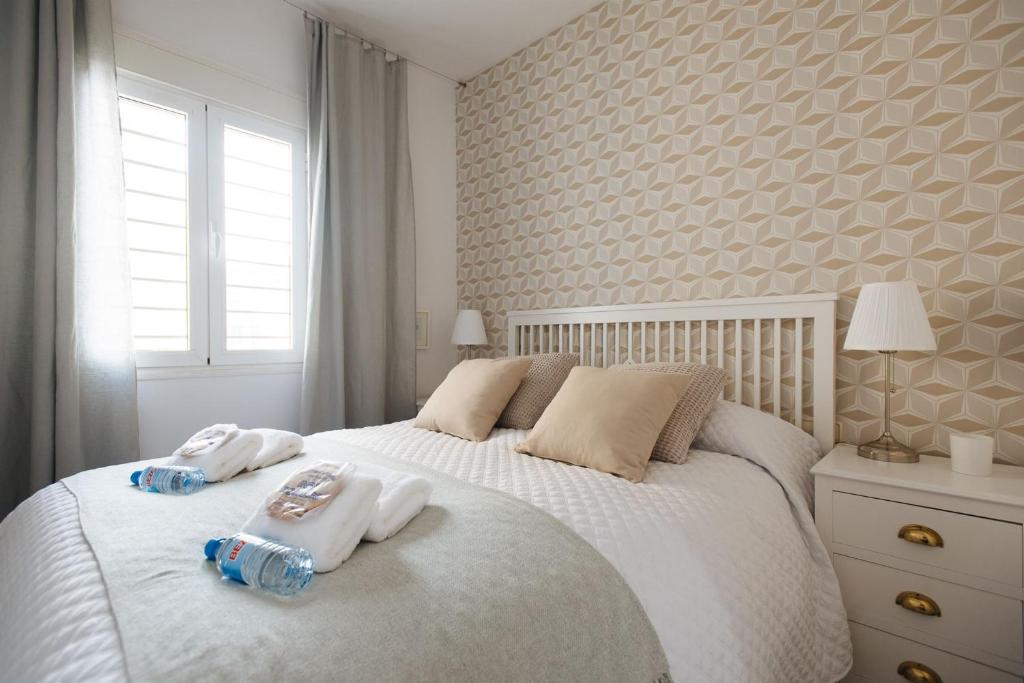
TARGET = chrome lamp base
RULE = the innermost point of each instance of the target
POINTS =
(887, 448)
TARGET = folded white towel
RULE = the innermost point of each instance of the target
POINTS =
(207, 440)
(330, 533)
(402, 497)
(278, 446)
(226, 460)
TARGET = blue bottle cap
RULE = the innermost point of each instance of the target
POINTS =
(212, 546)
(135, 477)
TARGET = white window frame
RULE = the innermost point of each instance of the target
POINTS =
(207, 290)
(217, 118)
(197, 256)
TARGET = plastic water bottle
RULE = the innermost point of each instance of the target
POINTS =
(169, 479)
(260, 563)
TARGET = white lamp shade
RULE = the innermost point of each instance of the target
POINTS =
(469, 328)
(889, 316)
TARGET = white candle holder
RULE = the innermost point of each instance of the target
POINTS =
(971, 454)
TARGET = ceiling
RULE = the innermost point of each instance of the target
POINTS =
(458, 38)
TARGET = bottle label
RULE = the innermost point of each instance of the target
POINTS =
(234, 555)
(148, 480)
(307, 490)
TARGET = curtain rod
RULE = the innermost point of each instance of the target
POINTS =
(308, 12)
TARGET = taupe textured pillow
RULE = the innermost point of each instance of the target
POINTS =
(471, 397)
(542, 382)
(705, 384)
(606, 420)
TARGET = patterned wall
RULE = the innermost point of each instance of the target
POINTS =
(675, 150)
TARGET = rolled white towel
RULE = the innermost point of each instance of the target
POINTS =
(207, 440)
(278, 446)
(331, 532)
(402, 497)
(230, 456)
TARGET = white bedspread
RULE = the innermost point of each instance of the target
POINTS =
(727, 566)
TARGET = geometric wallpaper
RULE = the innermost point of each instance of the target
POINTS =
(667, 150)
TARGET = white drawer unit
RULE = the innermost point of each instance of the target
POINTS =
(910, 532)
(930, 564)
(957, 618)
(883, 658)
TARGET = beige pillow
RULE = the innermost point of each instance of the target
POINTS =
(705, 384)
(542, 382)
(606, 420)
(472, 396)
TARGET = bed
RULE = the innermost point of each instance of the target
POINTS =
(720, 553)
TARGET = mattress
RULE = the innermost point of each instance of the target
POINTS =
(720, 551)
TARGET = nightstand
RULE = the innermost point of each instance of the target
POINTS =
(930, 565)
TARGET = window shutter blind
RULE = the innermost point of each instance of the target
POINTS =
(258, 227)
(155, 145)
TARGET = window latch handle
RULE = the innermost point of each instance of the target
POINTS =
(218, 241)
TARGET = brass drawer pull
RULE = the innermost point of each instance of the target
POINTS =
(918, 673)
(918, 602)
(918, 533)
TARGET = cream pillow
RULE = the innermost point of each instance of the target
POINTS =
(472, 396)
(542, 382)
(606, 420)
(684, 423)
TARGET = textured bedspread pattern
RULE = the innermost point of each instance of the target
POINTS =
(722, 551)
(734, 581)
(480, 586)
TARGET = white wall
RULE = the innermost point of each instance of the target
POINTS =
(432, 146)
(172, 409)
(251, 54)
(260, 40)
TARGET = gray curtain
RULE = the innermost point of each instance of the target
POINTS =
(67, 373)
(360, 356)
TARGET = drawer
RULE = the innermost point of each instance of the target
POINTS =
(968, 617)
(975, 546)
(877, 657)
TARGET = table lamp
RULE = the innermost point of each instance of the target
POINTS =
(889, 317)
(469, 328)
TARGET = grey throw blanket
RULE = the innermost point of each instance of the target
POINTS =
(480, 586)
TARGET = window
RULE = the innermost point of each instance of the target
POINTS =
(215, 208)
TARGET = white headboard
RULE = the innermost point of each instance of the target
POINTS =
(783, 340)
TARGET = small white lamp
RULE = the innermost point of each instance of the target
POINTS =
(889, 317)
(469, 328)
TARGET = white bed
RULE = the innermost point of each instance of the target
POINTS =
(720, 551)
